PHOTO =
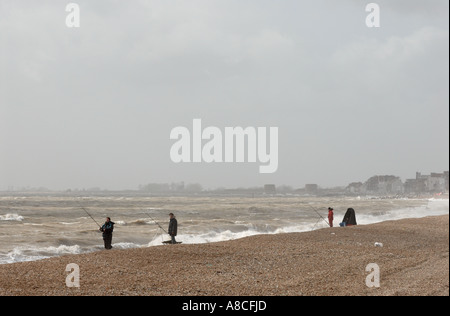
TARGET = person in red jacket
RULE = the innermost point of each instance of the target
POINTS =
(330, 216)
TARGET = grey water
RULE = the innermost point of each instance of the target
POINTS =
(34, 227)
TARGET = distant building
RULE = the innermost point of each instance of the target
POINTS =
(433, 183)
(436, 183)
(415, 186)
(389, 185)
(355, 188)
(270, 189)
(383, 185)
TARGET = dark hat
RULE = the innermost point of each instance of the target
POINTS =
(171, 214)
(330, 208)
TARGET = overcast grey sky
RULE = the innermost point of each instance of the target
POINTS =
(94, 106)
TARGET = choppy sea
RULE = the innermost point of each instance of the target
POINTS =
(34, 227)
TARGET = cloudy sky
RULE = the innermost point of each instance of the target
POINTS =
(94, 106)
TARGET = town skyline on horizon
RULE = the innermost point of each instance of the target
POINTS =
(280, 187)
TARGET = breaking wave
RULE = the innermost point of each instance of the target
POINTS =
(23, 253)
(434, 208)
(11, 218)
(137, 222)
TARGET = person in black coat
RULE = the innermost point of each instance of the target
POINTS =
(107, 230)
(173, 228)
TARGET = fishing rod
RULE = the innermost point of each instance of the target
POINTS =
(316, 223)
(156, 222)
(320, 215)
(148, 215)
(90, 216)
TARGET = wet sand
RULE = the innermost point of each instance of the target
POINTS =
(414, 260)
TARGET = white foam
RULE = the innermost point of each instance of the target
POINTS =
(135, 222)
(23, 253)
(60, 250)
(11, 217)
(218, 236)
(126, 245)
(433, 208)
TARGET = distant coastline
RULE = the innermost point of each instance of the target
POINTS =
(256, 192)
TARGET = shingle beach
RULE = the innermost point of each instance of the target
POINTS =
(412, 254)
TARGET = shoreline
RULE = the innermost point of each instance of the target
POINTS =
(61, 250)
(413, 261)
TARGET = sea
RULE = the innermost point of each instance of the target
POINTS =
(39, 226)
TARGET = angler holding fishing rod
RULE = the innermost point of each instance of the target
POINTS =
(107, 229)
(173, 228)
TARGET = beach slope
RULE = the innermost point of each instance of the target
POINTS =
(414, 260)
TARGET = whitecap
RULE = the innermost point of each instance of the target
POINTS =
(11, 217)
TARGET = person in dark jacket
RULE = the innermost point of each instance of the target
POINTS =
(107, 230)
(173, 228)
